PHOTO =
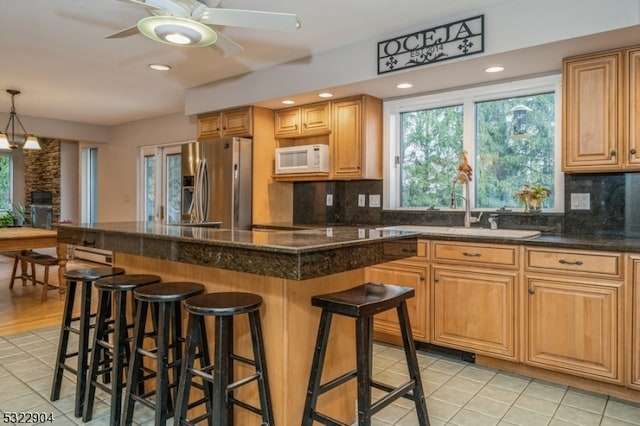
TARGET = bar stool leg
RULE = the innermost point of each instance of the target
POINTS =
(316, 367)
(412, 364)
(120, 356)
(83, 351)
(136, 361)
(196, 347)
(364, 367)
(162, 360)
(221, 363)
(261, 367)
(64, 340)
(98, 353)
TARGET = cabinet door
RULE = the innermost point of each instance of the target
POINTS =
(475, 310)
(237, 123)
(287, 122)
(635, 325)
(209, 126)
(633, 156)
(592, 112)
(316, 118)
(407, 276)
(347, 139)
(575, 326)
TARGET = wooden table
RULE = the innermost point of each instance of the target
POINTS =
(15, 239)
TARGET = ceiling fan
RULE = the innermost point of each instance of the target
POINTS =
(191, 22)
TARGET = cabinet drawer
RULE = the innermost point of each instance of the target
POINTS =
(476, 254)
(598, 264)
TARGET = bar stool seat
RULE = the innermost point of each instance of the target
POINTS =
(84, 276)
(111, 356)
(362, 303)
(218, 383)
(164, 299)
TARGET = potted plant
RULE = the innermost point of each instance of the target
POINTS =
(6, 219)
(19, 214)
(524, 196)
(532, 196)
(538, 195)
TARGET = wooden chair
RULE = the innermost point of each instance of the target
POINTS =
(24, 275)
(32, 259)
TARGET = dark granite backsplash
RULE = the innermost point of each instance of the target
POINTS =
(614, 207)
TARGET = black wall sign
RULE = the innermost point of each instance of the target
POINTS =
(461, 38)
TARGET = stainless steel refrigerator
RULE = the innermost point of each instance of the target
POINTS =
(216, 182)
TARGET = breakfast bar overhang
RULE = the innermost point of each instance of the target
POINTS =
(285, 267)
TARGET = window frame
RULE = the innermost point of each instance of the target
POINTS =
(466, 97)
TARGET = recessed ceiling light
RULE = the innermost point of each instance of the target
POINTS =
(159, 67)
(325, 95)
(404, 86)
(494, 69)
(288, 102)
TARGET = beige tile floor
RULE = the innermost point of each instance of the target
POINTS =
(458, 393)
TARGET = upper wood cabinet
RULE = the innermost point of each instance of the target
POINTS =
(352, 127)
(305, 120)
(357, 138)
(236, 122)
(601, 97)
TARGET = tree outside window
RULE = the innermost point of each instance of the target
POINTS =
(508, 132)
(6, 183)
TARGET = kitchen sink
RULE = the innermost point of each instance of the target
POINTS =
(516, 234)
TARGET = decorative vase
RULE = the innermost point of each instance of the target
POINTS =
(536, 205)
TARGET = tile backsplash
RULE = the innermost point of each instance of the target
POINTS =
(606, 204)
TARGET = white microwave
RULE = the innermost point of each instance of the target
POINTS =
(303, 159)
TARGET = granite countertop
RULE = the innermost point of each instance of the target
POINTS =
(287, 253)
(293, 252)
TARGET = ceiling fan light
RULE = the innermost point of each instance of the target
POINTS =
(177, 31)
(31, 142)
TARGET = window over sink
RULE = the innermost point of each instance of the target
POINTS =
(509, 131)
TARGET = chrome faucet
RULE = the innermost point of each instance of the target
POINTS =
(468, 219)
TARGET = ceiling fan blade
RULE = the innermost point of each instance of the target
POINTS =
(142, 3)
(274, 21)
(225, 46)
(125, 33)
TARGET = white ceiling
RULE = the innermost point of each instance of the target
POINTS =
(56, 53)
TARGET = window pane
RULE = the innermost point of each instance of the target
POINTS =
(174, 186)
(149, 185)
(6, 183)
(514, 148)
(430, 146)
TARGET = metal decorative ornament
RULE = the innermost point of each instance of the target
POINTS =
(449, 41)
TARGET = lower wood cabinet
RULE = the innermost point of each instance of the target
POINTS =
(475, 310)
(408, 275)
(575, 326)
(634, 332)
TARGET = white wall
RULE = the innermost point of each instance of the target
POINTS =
(117, 161)
(69, 181)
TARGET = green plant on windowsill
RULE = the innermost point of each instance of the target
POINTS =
(6, 219)
(532, 196)
(19, 214)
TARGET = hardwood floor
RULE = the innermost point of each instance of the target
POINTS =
(21, 308)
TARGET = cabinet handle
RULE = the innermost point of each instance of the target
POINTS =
(295, 126)
(532, 291)
(436, 279)
(613, 153)
(471, 254)
(305, 125)
(568, 262)
(421, 277)
(224, 128)
(633, 151)
(217, 129)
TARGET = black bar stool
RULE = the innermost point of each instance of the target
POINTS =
(362, 303)
(85, 277)
(164, 299)
(220, 400)
(111, 356)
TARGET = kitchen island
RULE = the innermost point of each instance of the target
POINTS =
(285, 267)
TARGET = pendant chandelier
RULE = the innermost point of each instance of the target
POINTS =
(8, 138)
